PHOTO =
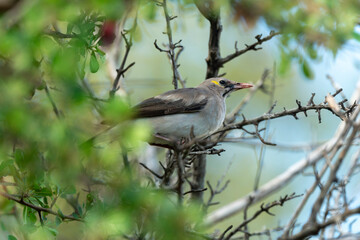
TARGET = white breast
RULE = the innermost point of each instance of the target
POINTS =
(206, 121)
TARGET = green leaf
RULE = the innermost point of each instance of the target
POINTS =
(307, 71)
(60, 213)
(69, 28)
(39, 201)
(11, 237)
(312, 52)
(94, 64)
(80, 210)
(58, 221)
(82, 70)
(117, 110)
(285, 63)
(68, 191)
(90, 199)
(45, 201)
(43, 192)
(53, 231)
(75, 215)
(19, 156)
(29, 216)
(4, 165)
(150, 11)
(100, 52)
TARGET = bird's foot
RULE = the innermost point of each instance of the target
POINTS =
(159, 140)
(156, 135)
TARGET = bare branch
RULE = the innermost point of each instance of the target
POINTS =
(303, 202)
(159, 48)
(192, 191)
(199, 170)
(55, 108)
(38, 208)
(171, 53)
(214, 192)
(151, 171)
(335, 85)
(316, 227)
(58, 34)
(211, 151)
(263, 208)
(181, 178)
(122, 69)
(252, 47)
(282, 179)
(293, 112)
(262, 139)
(318, 203)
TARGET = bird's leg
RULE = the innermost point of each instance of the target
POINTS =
(183, 140)
(156, 135)
(163, 141)
(162, 145)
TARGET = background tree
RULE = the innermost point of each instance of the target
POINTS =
(65, 67)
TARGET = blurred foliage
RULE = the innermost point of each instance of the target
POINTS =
(306, 26)
(47, 49)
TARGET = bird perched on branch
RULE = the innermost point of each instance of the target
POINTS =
(181, 113)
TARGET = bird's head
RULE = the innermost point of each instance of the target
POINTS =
(223, 86)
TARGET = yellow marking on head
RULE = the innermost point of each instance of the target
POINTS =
(215, 83)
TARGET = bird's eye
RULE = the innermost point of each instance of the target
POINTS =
(222, 82)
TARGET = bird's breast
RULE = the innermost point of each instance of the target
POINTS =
(209, 119)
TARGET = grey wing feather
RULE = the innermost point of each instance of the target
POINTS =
(188, 100)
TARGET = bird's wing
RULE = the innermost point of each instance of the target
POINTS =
(189, 100)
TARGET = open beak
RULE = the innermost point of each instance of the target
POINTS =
(238, 86)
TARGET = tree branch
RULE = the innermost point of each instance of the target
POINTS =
(122, 69)
(281, 180)
(38, 208)
(293, 112)
(55, 109)
(263, 208)
(316, 227)
(252, 47)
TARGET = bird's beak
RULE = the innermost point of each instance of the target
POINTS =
(238, 86)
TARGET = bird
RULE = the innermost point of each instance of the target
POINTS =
(186, 112)
(179, 114)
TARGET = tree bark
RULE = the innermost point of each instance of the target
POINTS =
(207, 9)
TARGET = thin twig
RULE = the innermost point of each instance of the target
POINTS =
(122, 69)
(38, 208)
(180, 172)
(267, 126)
(151, 171)
(58, 34)
(261, 138)
(292, 112)
(263, 208)
(55, 109)
(210, 151)
(315, 228)
(252, 47)
(192, 191)
(172, 54)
